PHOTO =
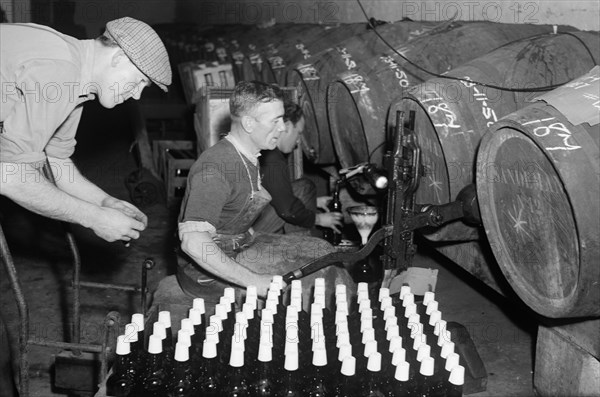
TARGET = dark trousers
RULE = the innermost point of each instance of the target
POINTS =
(270, 222)
(7, 386)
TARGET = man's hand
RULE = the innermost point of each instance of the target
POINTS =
(125, 208)
(112, 225)
(323, 201)
(332, 220)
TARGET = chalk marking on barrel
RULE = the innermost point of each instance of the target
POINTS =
(518, 223)
(437, 187)
(561, 131)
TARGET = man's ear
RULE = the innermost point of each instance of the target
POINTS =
(117, 57)
(248, 123)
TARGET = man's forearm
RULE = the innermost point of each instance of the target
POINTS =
(30, 189)
(70, 180)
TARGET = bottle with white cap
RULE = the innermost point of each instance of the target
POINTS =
(123, 377)
(346, 386)
(198, 304)
(236, 382)
(137, 319)
(316, 379)
(290, 385)
(425, 377)
(263, 383)
(456, 381)
(154, 377)
(209, 381)
(165, 318)
(373, 384)
(403, 382)
(182, 382)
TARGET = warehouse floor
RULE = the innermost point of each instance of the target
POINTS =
(503, 332)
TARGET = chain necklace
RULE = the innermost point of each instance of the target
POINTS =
(258, 180)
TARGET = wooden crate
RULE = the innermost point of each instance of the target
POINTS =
(173, 160)
(566, 362)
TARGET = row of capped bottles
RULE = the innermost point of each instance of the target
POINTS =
(365, 346)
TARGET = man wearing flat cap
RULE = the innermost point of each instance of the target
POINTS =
(45, 78)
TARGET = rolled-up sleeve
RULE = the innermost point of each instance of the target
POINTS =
(44, 113)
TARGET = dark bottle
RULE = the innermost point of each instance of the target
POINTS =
(374, 385)
(455, 382)
(165, 318)
(137, 319)
(290, 384)
(182, 382)
(263, 383)
(335, 205)
(346, 385)
(425, 378)
(316, 382)
(122, 380)
(403, 383)
(236, 384)
(154, 378)
(209, 382)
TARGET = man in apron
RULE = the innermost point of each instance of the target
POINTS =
(224, 197)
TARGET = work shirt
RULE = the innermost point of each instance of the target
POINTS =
(45, 76)
(276, 179)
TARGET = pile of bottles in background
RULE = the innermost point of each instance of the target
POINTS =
(369, 346)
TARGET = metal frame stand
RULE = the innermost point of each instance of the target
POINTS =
(112, 319)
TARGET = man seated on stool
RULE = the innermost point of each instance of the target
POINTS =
(293, 207)
(224, 196)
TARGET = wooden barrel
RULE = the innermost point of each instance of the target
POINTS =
(452, 116)
(358, 102)
(538, 183)
(312, 75)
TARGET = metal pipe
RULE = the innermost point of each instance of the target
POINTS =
(90, 284)
(112, 319)
(23, 316)
(76, 331)
(86, 347)
(147, 265)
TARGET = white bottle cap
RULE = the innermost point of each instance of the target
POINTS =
(229, 293)
(215, 324)
(424, 351)
(198, 304)
(319, 298)
(195, 316)
(342, 339)
(265, 353)
(296, 285)
(240, 317)
(182, 353)
(431, 307)
(444, 337)
(241, 330)
(187, 325)
(398, 356)
(184, 336)
(159, 330)
(414, 324)
(278, 280)
(457, 376)
(374, 362)
(402, 371)
(131, 331)
(248, 310)
(364, 304)
(366, 314)
(340, 289)
(138, 320)
(123, 347)
(344, 351)
(395, 343)
(340, 316)
(221, 311)
(266, 315)
(349, 366)
(316, 309)
(383, 293)
(165, 318)
(291, 315)
(390, 322)
(291, 332)
(319, 282)
(236, 359)
(385, 303)
(427, 366)
(388, 312)
(368, 334)
(273, 288)
(366, 323)
(410, 310)
(370, 348)
(451, 361)
(224, 300)
(291, 346)
(266, 333)
(319, 356)
(251, 293)
(291, 361)
(392, 331)
(417, 342)
(341, 327)
(441, 325)
(405, 289)
(209, 349)
(362, 288)
(318, 342)
(237, 342)
(428, 297)
(409, 299)
(435, 316)
(273, 293)
(155, 344)
(296, 302)
(447, 349)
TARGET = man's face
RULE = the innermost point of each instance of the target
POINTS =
(291, 137)
(120, 81)
(268, 125)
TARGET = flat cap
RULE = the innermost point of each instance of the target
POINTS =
(143, 47)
